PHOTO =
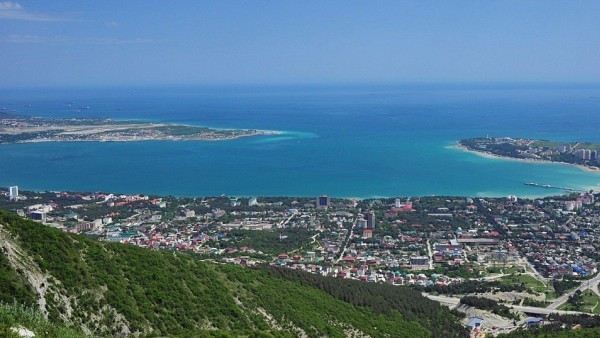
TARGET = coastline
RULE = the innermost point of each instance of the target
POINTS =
(490, 155)
(96, 132)
(150, 139)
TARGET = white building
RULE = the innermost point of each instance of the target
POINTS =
(38, 215)
(398, 203)
(40, 207)
(13, 193)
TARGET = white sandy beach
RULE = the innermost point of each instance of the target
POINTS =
(458, 146)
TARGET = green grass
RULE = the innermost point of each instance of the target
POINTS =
(504, 269)
(513, 269)
(531, 283)
(527, 281)
(550, 293)
(590, 302)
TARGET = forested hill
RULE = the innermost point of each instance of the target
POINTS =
(108, 289)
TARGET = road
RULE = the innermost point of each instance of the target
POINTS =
(502, 274)
(491, 278)
(430, 253)
(345, 246)
(286, 221)
(535, 272)
(453, 301)
(591, 284)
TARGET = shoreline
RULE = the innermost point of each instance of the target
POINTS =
(150, 139)
(459, 147)
(490, 155)
(292, 195)
(79, 133)
(311, 196)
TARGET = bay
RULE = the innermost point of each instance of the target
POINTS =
(346, 141)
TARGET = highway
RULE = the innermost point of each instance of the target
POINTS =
(591, 284)
(453, 301)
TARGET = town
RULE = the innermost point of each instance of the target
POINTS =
(577, 153)
(506, 262)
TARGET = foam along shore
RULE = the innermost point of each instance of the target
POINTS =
(490, 155)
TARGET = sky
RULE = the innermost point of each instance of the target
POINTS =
(87, 43)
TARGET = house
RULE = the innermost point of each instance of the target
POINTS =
(474, 322)
(534, 321)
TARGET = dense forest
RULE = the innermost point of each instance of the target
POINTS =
(473, 286)
(383, 299)
(109, 289)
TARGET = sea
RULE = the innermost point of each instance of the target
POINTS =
(362, 141)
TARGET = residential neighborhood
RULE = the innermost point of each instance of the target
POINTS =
(533, 256)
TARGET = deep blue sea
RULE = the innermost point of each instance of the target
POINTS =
(347, 141)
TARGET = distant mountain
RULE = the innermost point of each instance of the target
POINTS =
(86, 287)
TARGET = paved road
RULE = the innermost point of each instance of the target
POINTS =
(343, 249)
(591, 284)
(490, 278)
(500, 275)
(283, 223)
(453, 301)
(537, 275)
(430, 253)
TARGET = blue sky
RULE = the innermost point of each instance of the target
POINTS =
(56, 43)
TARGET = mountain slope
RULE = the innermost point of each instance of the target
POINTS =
(17, 321)
(112, 289)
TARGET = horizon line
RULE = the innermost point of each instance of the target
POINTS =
(300, 84)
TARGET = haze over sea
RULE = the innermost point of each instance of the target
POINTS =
(346, 141)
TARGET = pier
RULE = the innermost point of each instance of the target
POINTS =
(548, 186)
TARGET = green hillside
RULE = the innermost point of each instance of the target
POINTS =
(14, 317)
(108, 289)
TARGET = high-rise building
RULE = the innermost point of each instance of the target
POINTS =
(322, 202)
(252, 202)
(398, 203)
(13, 193)
(584, 154)
(370, 216)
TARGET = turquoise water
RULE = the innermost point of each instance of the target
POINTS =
(340, 141)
